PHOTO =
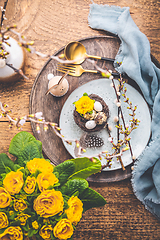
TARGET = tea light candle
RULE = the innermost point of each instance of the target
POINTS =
(59, 90)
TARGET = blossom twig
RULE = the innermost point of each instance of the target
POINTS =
(3, 9)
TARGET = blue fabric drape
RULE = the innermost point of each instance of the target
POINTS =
(134, 53)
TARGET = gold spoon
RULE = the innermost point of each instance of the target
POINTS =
(76, 50)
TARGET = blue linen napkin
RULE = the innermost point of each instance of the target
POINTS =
(134, 53)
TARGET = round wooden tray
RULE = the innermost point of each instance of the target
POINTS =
(53, 148)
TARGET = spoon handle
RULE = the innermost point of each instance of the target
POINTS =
(107, 59)
(101, 58)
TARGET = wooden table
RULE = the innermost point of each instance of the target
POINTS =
(52, 24)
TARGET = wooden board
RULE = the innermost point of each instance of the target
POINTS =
(51, 106)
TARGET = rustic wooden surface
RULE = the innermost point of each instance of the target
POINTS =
(52, 24)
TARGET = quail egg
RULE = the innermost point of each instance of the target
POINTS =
(98, 106)
(90, 124)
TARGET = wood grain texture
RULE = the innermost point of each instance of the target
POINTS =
(52, 24)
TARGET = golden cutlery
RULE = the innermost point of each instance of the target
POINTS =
(74, 70)
(77, 70)
(76, 50)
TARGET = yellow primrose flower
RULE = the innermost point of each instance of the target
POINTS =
(13, 182)
(19, 205)
(84, 105)
(11, 213)
(49, 203)
(14, 233)
(5, 198)
(30, 185)
(3, 220)
(35, 225)
(45, 232)
(63, 229)
(74, 212)
(39, 164)
(22, 217)
(45, 180)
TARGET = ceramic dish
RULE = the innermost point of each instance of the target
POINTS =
(103, 88)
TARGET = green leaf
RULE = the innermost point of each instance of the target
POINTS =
(84, 167)
(5, 161)
(64, 169)
(31, 232)
(30, 150)
(19, 141)
(74, 185)
(85, 94)
(91, 198)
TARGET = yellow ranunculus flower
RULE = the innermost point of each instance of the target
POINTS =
(13, 182)
(14, 233)
(63, 229)
(39, 164)
(74, 212)
(3, 220)
(22, 217)
(35, 225)
(30, 185)
(19, 205)
(45, 232)
(49, 203)
(45, 180)
(84, 105)
(5, 198)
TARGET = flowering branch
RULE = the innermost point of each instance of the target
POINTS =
(3, 9)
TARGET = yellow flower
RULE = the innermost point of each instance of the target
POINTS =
(13, 182)
(30, 185)
(14, 233)
(19, 205)
(84, 105)
(45, 232)
(11, 213)
(22, 217)
(35, 225)
(63, 229)
(45, 180)
(39, 164)
(74, 212)
(5, 198)
(3, 220)
(49, 203)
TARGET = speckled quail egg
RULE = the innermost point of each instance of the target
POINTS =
(90, 124)
(100, 118)
(90, 116)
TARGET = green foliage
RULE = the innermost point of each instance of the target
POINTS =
(73, 186)
(91, 199)
(5, 161)
(64, 170)
(30, 150)
(72, 175)
(25, 147)
(19, 141)
(84, 167)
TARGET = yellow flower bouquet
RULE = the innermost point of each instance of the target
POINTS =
(39, 200)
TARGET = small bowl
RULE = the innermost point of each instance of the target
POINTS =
(59, 90)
